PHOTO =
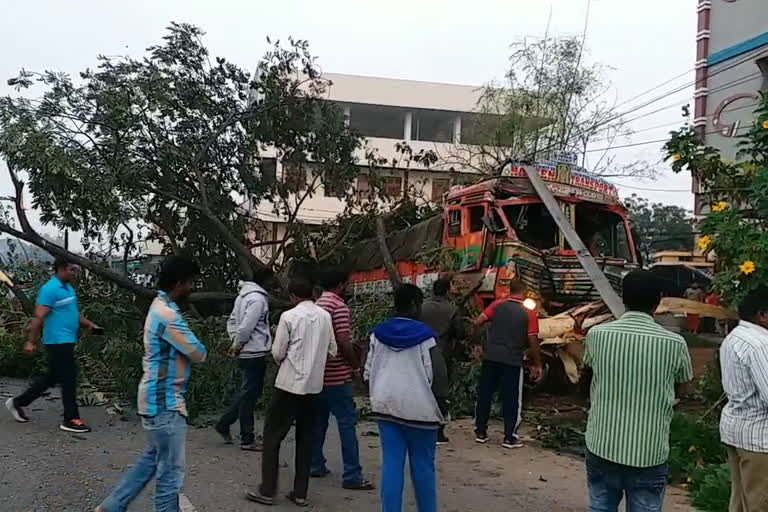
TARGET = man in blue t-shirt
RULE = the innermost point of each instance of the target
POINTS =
(56, 314)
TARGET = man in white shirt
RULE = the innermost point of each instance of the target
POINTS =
(303, 341)
(744, 421)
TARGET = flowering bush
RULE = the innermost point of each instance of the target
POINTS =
(736, 194)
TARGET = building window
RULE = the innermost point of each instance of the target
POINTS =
(454, 222)
(465, 179)
(295, 176)
(763, 65)
(476, 214)
(363, 186)
(268, 170)
(377, 121)
(432, 125)
(334, 189)
(393, 186)
(439, 187)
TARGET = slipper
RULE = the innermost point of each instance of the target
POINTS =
(257, 497)
(364, 485)
(252, 447)
(299, 502)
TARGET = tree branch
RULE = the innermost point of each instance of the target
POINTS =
(56, 250)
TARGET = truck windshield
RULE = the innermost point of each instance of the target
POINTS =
(603, 231)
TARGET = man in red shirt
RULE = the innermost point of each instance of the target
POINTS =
(336, 396)
(511, 329)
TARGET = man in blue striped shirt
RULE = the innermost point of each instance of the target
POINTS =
(170, 348)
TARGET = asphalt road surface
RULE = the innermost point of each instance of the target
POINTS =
(45, 469)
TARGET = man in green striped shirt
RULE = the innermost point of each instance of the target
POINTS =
(636, 367)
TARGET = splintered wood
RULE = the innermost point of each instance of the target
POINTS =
(563, 335)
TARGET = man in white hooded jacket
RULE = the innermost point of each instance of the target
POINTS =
(399, 370)
(248, 327)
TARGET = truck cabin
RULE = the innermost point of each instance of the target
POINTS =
(503, 220)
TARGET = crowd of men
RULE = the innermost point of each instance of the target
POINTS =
(637, 370)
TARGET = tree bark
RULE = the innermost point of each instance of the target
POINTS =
(389, 264)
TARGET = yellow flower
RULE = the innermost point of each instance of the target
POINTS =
(704, 242)
(748, 267)
(676, 157)
(765, 124)
(720, 207)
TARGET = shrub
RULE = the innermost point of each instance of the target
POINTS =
(692, 444)
(710, 488)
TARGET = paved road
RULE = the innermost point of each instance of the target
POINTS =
(44, 469)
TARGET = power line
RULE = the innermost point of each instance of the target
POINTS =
(727, 85)
(650, 189)
(673, 123)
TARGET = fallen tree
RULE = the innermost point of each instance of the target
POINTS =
(165, 147)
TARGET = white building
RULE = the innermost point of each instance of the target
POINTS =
(731, 67)
(426, 115)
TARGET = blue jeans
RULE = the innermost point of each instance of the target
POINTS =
(419, 444)
(511, 378)
(163, 458)
(608, 483)
(339, 401)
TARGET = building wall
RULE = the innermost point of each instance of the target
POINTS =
(405, 111)
(731, 66)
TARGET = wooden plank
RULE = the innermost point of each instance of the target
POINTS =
(603, 286)
(678, 305)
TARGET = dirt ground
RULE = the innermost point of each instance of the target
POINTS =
(700, 358)
(44, 469)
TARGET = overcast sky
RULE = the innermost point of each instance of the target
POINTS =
(646, 43)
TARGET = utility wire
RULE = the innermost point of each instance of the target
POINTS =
(725, 86)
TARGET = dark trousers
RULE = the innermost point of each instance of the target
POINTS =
(284, 409)
(608, 482)
(243, 403)
(62, 369)
(511, 389)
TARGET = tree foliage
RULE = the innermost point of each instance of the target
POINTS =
(552, 99)
(168, 145)
(736, 193)
(660, 227)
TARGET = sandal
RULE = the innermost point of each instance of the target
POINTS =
(299, 502)
(252, 447)
(364, 485)
(257, 497)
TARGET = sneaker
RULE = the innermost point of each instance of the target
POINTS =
(481, 438)
(514, 443)
(18, 413)
(442, 438)
(77, 426)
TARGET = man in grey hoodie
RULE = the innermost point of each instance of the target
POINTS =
(248, 327)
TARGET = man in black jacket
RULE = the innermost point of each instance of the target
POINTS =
(443, 317)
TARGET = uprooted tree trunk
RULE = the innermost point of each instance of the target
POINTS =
(389, 263)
